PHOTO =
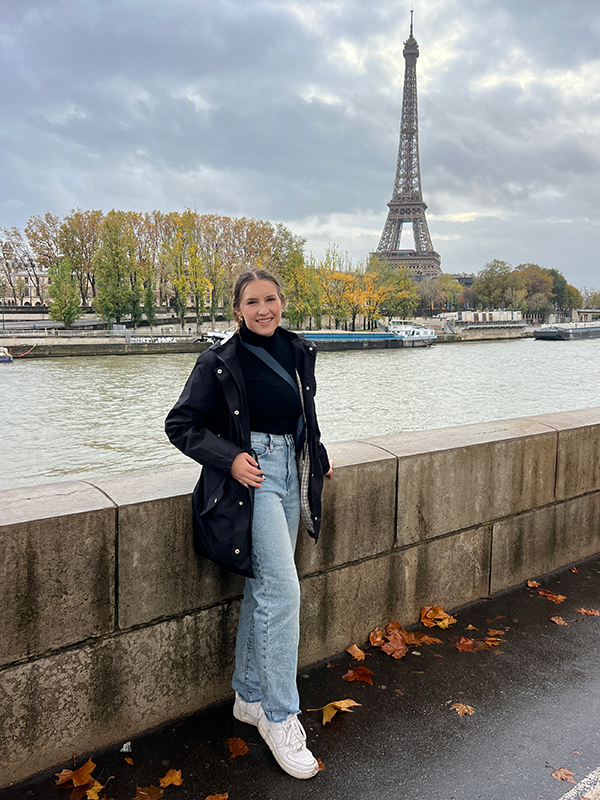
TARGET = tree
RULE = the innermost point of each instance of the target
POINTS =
(574, 298)
(64, 294)
(78, 239)
(559, 288)
(451, 290)
(114, 264)
(491, 283)
(296, 288)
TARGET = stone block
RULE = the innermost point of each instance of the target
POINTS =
(578, 456)
(57, 556)
(457, 478)
(159, 573)
(358, 509)
(345, 605)
(87, 699)
(543, 540)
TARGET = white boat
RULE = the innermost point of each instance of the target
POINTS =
(411, 334)
(5, 356)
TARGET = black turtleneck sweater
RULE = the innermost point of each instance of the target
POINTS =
(272, 403)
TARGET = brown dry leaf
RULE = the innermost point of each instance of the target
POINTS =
(493, 641)
(376, 638)
(555, 598)
(498, 616)
(78, 777)
(462, 709)
(559, 620)
(398, 691)
(94, 792)
(129, 760)
(237, 747)
(362, 674)
(492, 632)
(533, 584)
(79, 792)
(356, 652)
(149, 793)
(331, 709)
(471, 628)
(330, 664)
(438, 655)
(564, 774)
(588, 612)
(173, 777)
(435, 615)
(217, 796)
(392, 626)
(575, 570)
(465, 645)
(395, 646)
(416, 638)
(321, 765)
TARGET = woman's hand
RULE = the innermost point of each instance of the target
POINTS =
(330, 473)
(246, 470)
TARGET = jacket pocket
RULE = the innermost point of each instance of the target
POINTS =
(213, 490)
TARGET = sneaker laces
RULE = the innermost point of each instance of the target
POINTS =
(294, 733)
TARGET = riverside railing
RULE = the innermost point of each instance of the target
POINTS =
(110, 626)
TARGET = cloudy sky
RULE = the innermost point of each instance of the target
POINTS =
(289, 111)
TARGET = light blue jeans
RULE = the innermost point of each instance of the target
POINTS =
(266, 653)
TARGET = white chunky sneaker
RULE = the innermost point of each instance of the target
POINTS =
(287, 742)
(245, 711)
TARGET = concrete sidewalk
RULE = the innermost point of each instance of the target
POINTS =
(536, 700)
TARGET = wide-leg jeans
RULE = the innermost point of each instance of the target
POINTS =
(266, 656)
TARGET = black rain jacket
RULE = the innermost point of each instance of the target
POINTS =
(210, 424)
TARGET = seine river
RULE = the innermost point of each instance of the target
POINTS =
(64, 418)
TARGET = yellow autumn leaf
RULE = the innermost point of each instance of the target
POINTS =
(331, 709)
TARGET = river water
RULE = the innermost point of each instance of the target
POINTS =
(80, 417)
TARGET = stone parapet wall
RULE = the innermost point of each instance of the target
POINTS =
(110, 625)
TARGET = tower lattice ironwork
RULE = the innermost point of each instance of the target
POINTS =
(407, 203)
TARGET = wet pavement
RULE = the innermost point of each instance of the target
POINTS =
(536, 701)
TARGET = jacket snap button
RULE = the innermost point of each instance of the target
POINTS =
(219, 372)
(241, 502)
(308, 388)
(215, 500)
(237, 552)
(236, 412)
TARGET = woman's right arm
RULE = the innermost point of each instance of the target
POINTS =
(191, 425)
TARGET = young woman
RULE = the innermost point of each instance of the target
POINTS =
(247, 414)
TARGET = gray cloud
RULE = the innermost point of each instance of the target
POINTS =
(290, 111)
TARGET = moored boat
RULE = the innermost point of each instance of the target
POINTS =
(398, 333)
(564, 333)
(5, 356)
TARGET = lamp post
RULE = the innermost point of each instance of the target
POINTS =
(2, 294)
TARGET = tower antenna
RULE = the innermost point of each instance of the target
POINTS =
(411, 20)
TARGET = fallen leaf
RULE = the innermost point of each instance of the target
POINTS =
(94, 792)
(217, 796)
(564, 774)
(416, 638)
(398, 691)
(575, 570)
(555, 598)
(392, 626)
(438, 655)
(148, 793)
(465, 645)
(376, 638)
(462, 709)
(331, 709)
(588, 612)
(79, 792)
(362, 674)
(129, 760)
(492, 632)
(471, 628)
(492, 641)
(395, 646)
(237, 747)
(173, 776)
(330, 664)
(321, 765)
(356, 652)
(559, 621)
(533, 584)
(435, 615)
(78, 777)
(498, 616)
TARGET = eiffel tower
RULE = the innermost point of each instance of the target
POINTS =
(407, 203)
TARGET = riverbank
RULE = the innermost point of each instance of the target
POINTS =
(84, 344)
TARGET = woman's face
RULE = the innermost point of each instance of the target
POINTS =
(261, 307)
